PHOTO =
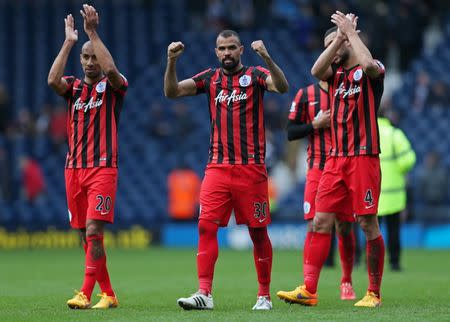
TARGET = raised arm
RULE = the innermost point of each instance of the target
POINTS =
(173, 88)
(322, 67)
(55, 79)
(276, 82)
(364, 57)
(104, 58)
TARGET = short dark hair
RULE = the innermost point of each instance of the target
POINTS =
(330, 31)
(229, 33)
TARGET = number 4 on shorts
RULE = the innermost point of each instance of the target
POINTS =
(368, 197)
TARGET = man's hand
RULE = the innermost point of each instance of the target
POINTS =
(345, 23)
(71, 33)
(175, 49)
(322, 120)
(91, 19)
(260, 49)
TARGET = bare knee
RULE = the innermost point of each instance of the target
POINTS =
(207, 227)
(343, 228)
(94, 227)
(323, 222)
(369, 225)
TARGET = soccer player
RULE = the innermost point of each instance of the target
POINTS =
(351, 176)
(310, 117)
(236, 176)
(94, 105)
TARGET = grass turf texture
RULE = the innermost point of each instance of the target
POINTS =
(35, 285)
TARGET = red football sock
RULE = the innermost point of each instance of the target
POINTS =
(306, 246)
(92, 268)
(103, 278)
(262, 254)
(375, 263)
(347, 247)
(208, 251)
(319, 247)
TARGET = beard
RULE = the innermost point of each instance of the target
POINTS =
(229, 65)
(343, 58)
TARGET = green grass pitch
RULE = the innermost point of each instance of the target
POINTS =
(35, 285)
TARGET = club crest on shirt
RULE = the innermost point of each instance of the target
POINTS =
(306, 207)
(100, 88)
(245, 80)
(357, 75)
(292, 110)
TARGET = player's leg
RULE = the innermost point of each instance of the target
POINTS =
(101, 186)
(309, 209)
(250, 199)
(208, 251)
(364, 178)
(375, 259)
(318, 249)
(215, 211)
(331, 199)
(346, 245)
(77, 206)
(262, 254)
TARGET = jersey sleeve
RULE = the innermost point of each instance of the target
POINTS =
(297, 112)
(123, 89)
(334, 68)
(70, 80)
(200, 80)
(261, 76)
(381, 69)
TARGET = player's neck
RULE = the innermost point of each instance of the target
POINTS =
(351, 62)
(234, 70)
(91, 81)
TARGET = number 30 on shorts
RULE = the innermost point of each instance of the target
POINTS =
(260, 210)
(104, 204)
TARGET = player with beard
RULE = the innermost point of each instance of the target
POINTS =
(235, 177)
(310, 117)
(94, 105)
(351, 177)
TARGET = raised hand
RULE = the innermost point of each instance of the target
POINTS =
(345, 23)
(91, 19)
(71, 33)
(175, 49)
(260, 49)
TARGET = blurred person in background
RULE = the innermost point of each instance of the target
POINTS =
(94, 106)
(57, 128)
(33, 182)
(5, 110)
(184, 187)
(433, 184)
(236, 176)
(397, 159)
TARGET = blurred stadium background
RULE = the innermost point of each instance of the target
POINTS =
(158, 136)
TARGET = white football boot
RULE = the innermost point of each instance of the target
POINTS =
(263, 303)
(196, 301)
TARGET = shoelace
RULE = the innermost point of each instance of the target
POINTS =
(81, 295)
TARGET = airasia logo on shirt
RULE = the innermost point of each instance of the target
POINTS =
(230, 98)
(350, 92)
(79, 105)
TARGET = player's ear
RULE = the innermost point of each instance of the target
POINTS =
(241, 49)
(217, 52)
